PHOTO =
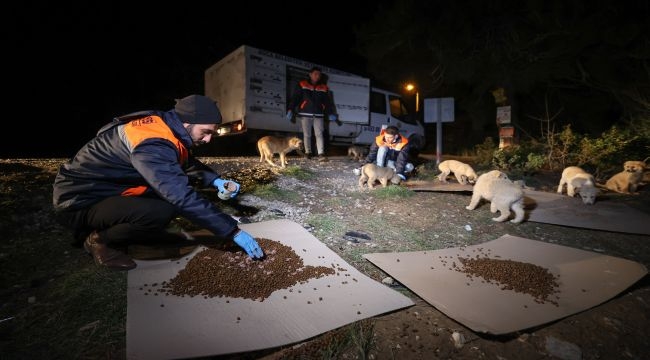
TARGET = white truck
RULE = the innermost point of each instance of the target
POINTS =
(251, 87)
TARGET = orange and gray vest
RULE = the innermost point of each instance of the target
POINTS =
(141, 154)
(396, 145)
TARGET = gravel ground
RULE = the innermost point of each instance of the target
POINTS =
(352, 222)
(332, 207)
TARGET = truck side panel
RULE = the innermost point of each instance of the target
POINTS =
(225, 82)
(252, 87)
(351, 97)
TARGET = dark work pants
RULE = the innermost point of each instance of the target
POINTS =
(120, 219)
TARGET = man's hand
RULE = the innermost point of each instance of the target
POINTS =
(226, 187)
(246, 242)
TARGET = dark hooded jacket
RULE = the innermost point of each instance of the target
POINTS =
(311, 99)
(141, 154)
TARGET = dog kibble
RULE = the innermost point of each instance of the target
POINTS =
(219, 273)
(513, 275)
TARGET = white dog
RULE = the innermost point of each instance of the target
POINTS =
(503, 194)
(578, 180)
(463, 172)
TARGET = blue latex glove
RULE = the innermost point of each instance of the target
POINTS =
(289, 115)
(246, 242)
(332, 117)
(402, 177)
(220, 184)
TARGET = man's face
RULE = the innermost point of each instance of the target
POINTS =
(389, 138)
(201, 133)
(315, 76)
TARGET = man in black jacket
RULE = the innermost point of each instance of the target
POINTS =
(312, 102)
(137, 175)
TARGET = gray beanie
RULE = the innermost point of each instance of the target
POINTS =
(197, 109)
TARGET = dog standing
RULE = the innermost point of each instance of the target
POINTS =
(503, 194)
(463, 172)
(578, 180)
(269, 145)
(356, 152)
(370, 173)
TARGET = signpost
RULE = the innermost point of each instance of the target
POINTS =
(438, 110)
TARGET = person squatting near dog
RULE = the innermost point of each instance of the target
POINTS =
(313, 102)
(390, 149)
(138, 174)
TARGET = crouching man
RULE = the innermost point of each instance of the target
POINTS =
(390, 149)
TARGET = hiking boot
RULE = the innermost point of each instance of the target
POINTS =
(322, 158)
(306, 156)
(106, 256)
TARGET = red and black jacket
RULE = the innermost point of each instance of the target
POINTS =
(311, 100)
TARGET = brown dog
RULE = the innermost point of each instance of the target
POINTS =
(269, 145)
(370, 173)
(463, 172)
(628, 180)
(356, 152)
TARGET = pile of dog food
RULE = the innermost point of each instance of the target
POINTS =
(513, 275)
(219, 273)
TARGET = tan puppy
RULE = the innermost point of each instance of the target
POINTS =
(463, 172)
(578, 180)
(269, 145)
(370, 173)
(503, 194)
(357, 152)
(628, 180)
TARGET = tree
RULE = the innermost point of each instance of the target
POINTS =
(590, 58)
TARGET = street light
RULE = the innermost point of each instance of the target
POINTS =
(410, 88)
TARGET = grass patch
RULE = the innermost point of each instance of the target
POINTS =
(392, 191)
(298, 172)
(339, 202)
(362, 334)
(273, 192)
(327, 225)
(81, 315)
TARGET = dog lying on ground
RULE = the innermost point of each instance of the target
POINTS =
(578, 180)
(370, 173)
(357, 152)
(267, 146)
(503, 194)
(463, 172)
(628, 180)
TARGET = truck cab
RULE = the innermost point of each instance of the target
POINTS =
(387, 108)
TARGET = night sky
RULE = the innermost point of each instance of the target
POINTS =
(71, 68)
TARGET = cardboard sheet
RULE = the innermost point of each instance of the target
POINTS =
(166, 327)
(557, 209)
(604, 214)
(451, 185)
(586, 279)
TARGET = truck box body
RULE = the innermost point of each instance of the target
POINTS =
(251, 87)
